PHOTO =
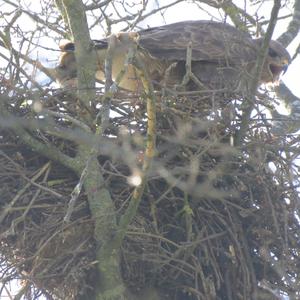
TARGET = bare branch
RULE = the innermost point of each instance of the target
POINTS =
(248, 106)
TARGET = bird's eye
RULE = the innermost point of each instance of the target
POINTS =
(69, 47)
(272, 53)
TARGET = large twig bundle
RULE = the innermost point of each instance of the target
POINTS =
(214, 219)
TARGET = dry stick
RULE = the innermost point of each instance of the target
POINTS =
(46, 150)
(110, 86)
(137, 194)
(96, 5)
(41, 187)
(248, 105)
(35, 17)
(238, 16)
(189, 75)
(21, 218)
(65, 116)
(21, 191)
(50, 72)
(21, 70)
(106, 99)
(75, 135)
(76, 192)
(9, 294)
(154, 11)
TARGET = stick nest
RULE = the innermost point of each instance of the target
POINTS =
(215, 221)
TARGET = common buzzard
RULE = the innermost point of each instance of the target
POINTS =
(222, 57)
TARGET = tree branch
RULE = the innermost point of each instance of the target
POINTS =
(248, 105)
(286, 124)
(135, 200)
(293, 29)
(111, 286)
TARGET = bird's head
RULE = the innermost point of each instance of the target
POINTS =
(276, 62)
(66, 70)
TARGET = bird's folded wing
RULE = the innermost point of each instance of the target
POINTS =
(210, 41)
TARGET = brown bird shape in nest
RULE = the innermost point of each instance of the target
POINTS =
(222, 56)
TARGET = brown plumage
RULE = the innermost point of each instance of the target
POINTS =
(222, 57)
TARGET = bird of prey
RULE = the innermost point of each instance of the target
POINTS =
(221, 56)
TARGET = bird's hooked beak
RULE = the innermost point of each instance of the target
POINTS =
(279, 69)
(285, 67)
